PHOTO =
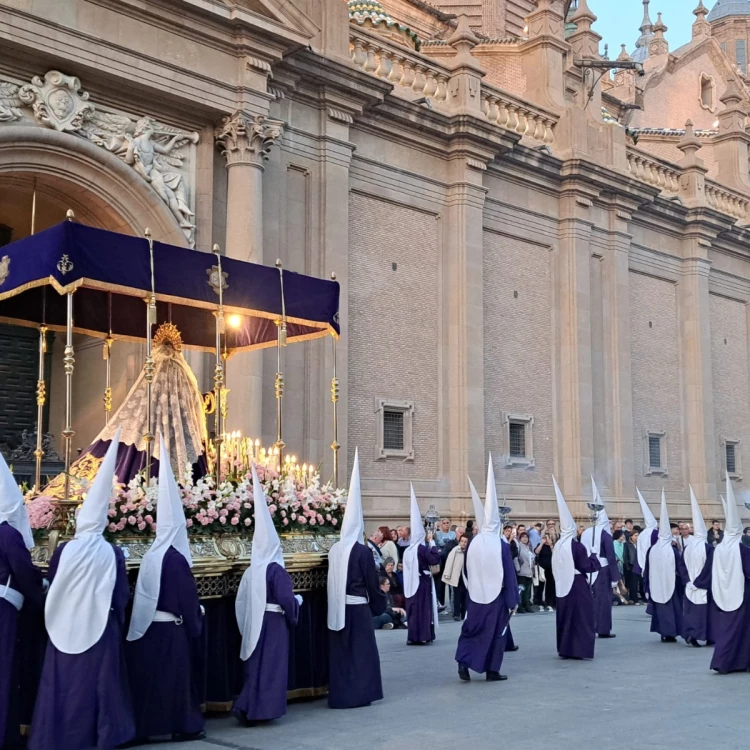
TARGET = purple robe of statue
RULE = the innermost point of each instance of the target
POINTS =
(419, 607)
(666, 619)
(608, 576)
(160, 664)
(263, 695)
(481, 645)
(576, 636)
(16, 565)
(730, 631)
(353, 662)
(84, 700)
(695, 616)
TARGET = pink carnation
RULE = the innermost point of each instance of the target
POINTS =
(131, 520)
(235, 520)
(334, 521)
(149, 519)
(285, 522)
(302, 520)
(112, 527)
(248, 521)
(141, 526)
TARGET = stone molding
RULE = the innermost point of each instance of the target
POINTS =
(247, 139)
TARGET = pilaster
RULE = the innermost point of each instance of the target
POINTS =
(731, 144)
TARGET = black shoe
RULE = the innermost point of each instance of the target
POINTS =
(515, 648)
(694, 643)
(607, 635)
(456, 618)
(668, 639)
(463, 673)
(133, 743)
(188, 737)
(495, 677)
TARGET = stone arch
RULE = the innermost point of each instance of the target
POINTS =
(99, 187)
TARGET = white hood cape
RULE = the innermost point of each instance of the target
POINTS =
(695, 553)
(727, 576)
(250, 605)
(484, 558)
(12, 507)
(563, 565)
(644, 538)
(661, 562)
(478, 505)
(80, 596)
(592, 537)
(171, 531)
(352, 531)
(411, 559)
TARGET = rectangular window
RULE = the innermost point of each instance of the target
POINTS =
(741, 55)
(654, 451)
(724, 47)
(393, 430)
(517, 439)
(731, 458)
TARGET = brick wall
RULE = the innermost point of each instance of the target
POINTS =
(393, 329)
(731, 387)
(655, 360)
(517, 350)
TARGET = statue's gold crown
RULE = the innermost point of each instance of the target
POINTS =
(167, 333)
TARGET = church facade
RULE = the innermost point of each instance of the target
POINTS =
(542, 251)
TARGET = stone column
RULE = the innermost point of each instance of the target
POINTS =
(246, 141)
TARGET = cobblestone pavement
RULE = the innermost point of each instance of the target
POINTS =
(637, 691)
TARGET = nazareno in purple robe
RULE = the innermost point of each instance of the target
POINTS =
(730, 631)
(576, 636)
(481, 645)
(26, 578)
(160, 664)
(353, 660)
(654, 537)
(263, 695)
(666, 619)
(695, 616)
(84, 700)
(602, 588)
(419, 607)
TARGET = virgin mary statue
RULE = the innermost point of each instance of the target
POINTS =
(176, 412)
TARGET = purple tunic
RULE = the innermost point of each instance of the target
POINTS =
(353, 659)
(15, 563)
(730, 631)
(666, 619)
(695, 616)
(419, 607)
(602, 588)
(160, 667)
(83, 700)
(263, 695)
(481, 645)
(576, 636)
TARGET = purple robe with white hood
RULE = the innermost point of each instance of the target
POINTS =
(696, 556)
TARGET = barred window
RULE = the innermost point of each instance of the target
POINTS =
(654, 451)
(393, 430)
(731, 458)
(517, 439)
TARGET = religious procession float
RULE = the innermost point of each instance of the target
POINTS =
(73, 278)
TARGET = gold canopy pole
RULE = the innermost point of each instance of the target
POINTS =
(41, 397)
(68, 367)
(107, 353)
(335, 400)
(219, 372)
(279, 384)
(149, 368)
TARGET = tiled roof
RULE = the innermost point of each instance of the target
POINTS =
(677, 132)
(727, 8)
(361, 11)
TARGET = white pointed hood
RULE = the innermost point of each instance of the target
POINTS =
(411, 553)
(171, 531)
(80, 596)
(484, 558)
(727, 576)
(695, 553)
(644, 538)
(478, 505)
(12, 507)
(592, 537)
(661, 562)
(352, 531)
(250, 605)
(563, 565)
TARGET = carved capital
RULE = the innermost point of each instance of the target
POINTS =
(244, 139)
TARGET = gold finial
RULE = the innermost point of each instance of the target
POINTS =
(216, 248)
(168, 333)
(69, 215)
(147, 233)
(333, 275)
(278, 262)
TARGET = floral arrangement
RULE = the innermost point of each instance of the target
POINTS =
(296, 500)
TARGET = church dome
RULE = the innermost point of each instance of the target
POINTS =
(728, 8)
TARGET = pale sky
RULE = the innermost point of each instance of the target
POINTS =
(619, 21)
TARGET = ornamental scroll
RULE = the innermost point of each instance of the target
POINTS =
(155, 151)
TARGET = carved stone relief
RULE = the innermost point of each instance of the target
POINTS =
(155, 151)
